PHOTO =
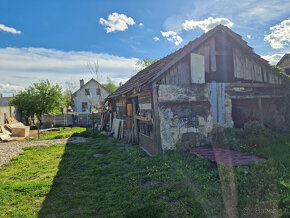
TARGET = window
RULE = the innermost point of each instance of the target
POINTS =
(98, 92)
(87, 91)
(84, 106)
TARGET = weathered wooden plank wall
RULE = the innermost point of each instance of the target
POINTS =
(156, 120)
(145, 105)
(247, 69)
(212, 55)
(178, 74)
(205, 51)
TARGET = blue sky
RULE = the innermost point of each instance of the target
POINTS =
(55, 39)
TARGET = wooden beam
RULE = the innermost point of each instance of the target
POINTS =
(135, 126)
(206, 57)
(212, 55)
(260, 110)
(253, 85)
(256, 96)
(139, 94)
(145, 119)
(223, 53)
(156, 121)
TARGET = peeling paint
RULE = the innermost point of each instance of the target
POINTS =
(182, 93)
(185, 115)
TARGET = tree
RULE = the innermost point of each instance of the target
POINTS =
(94, 69)
(25, 103)
(145, 62)
(110, 85)
(69, 89)
(38, 99)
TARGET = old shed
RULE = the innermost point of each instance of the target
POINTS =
(214, 79)
(284, 64)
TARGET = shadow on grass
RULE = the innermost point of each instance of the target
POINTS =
(91, 182)
(74, 191)
(97, 179)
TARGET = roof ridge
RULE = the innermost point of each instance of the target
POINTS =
(153, 71)
(92, 79)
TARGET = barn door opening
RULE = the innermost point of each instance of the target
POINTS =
(217, 101)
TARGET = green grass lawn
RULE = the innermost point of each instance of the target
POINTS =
(68, 181)
(63, 133)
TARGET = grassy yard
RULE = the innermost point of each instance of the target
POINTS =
(64, 133)
(68, 181)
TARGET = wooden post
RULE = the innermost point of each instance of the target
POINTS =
(93, 123)
(38, 130)
(156, 121)
(135, 129)
(260, 110)
(212, 55)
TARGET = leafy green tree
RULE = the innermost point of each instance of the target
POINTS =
(38, 99)
(25, 103)
(110, 85)
(145, 62)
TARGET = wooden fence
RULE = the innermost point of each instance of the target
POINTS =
(62, 120)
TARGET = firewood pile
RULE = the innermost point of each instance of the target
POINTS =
(13, 130)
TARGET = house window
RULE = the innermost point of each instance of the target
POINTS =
(287, 71)
(87, 91)
(84, 106)
(98, 91)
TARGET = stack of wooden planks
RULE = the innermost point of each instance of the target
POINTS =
(13, 130)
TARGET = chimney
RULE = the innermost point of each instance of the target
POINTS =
(82, 82)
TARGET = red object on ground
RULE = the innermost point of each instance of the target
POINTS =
(226, 157)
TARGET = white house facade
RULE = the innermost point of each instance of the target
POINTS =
(89, 96)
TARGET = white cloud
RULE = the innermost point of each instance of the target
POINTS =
(172, 36)
(9, 29)
(23, 66)
(8, 89)
(117, 22)
(280, 35)
(245, 13)
(249, 36)
(141, 24)
(257, 12)
(273, 59)
(156, 38)
(206, 24)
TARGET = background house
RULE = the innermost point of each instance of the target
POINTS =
(7, 111)
(90, 96)
(284, 64)
(214, 80)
